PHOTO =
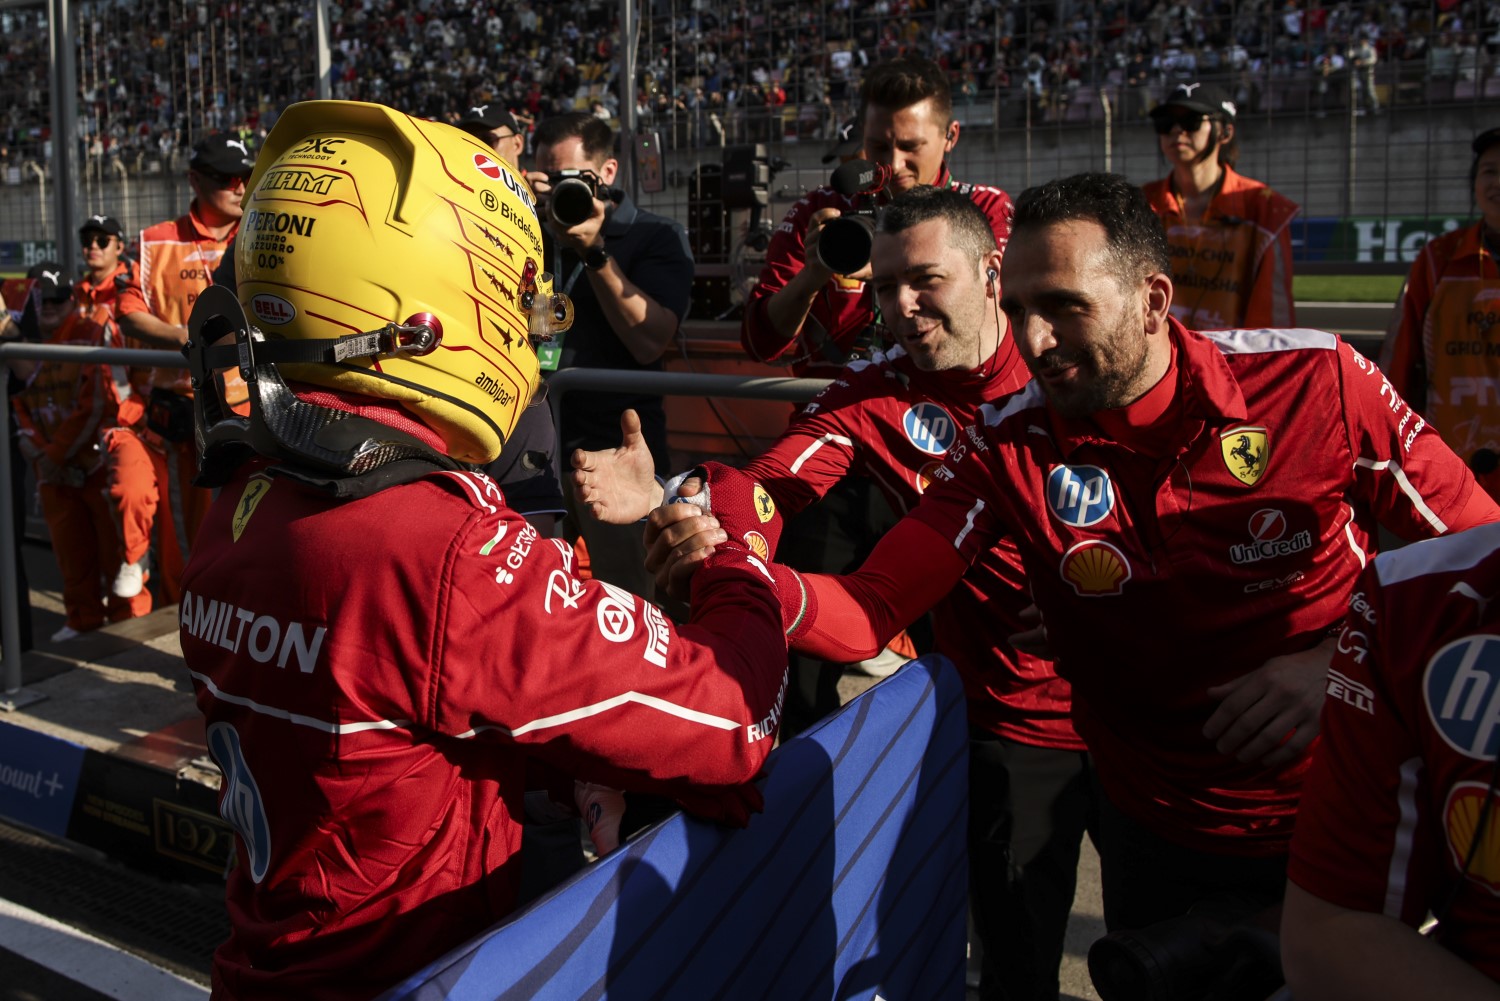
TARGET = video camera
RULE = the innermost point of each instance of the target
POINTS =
(571, 200)
(1223, 949)
(844, 243)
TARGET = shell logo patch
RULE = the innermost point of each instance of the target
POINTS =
(765, 507)
(758, 545)
(489, 168)
(930, 428)
(1461, 689)
(1246, 451)
(1460, 823)
(1080, 495)
(924, 476)
(255, 492)
(1095, 569)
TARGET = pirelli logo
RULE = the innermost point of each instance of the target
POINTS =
(310, 181)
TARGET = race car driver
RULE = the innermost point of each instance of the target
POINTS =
(376, 641)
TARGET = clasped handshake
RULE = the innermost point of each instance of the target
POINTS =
(686, 518)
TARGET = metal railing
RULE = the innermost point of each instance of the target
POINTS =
(15, 695)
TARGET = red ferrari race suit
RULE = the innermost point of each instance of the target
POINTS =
(61, 413)
(374, 674)
(1441, 352)
(177, 262)
(1232, 267)
(1407, 764)
(844, 310)
(1160, 578)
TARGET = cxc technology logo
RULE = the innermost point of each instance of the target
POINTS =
(1462, 690)
(1080, 495)
(930, 428)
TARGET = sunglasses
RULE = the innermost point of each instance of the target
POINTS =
(1187, 122)
(219, 180)
(100, 240)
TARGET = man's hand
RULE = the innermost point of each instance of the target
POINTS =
(1033, 639)
(48, 471)
(679, 537)
(820, 271)
(580, 237)
(618, 485)
(1273, 713)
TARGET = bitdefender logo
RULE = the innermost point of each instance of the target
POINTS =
(1267, 527)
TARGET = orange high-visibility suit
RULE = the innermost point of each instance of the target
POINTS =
(127, 459)
(1233, 267)
(61, 413)
(177, 259)
(1441, 353)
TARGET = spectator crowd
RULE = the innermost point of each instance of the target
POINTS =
(153, 73)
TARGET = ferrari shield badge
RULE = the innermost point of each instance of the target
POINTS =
(1246, 451)
(255, 492)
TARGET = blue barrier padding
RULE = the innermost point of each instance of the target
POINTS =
(851, 884)
(38, 778)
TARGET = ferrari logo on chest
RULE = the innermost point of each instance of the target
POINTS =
(255, 492)
(1246, 451)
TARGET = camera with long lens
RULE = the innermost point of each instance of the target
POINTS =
(571, 200)
(1223, 949)
(844, 243)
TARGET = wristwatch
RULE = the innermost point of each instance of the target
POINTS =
(595, 258)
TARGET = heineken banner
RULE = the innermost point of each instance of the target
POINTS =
(851, 883)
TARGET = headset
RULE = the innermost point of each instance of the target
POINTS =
(994, 276)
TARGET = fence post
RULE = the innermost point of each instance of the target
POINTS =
(14, 696)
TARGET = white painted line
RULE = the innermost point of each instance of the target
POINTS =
(86, 960)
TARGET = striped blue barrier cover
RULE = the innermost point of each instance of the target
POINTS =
(851, 884)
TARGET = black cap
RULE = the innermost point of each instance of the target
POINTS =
(850, 139)
(487, 117)
(106, 224)
(51, 283)
(222, 153)
(1485, 140)
(1204, 98)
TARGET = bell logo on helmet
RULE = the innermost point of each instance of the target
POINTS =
(272, 309)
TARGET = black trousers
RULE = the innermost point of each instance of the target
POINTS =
(1028, 810)
(1147, 879)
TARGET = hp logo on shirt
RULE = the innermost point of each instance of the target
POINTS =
(1080, 495)
(1462, 689)
(929, 427)
(241, 805)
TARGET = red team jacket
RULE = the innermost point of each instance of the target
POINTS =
(894, 423)
(844, 308)
(374, 673)
(1161, 579)
(1408, 753)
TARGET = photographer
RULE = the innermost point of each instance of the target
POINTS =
(629, 274)
(802, 313)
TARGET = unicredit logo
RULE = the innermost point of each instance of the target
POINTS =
(1267, 529)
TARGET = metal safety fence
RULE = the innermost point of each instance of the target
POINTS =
(14, 695)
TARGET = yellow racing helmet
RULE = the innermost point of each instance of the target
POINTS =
(414, 251)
